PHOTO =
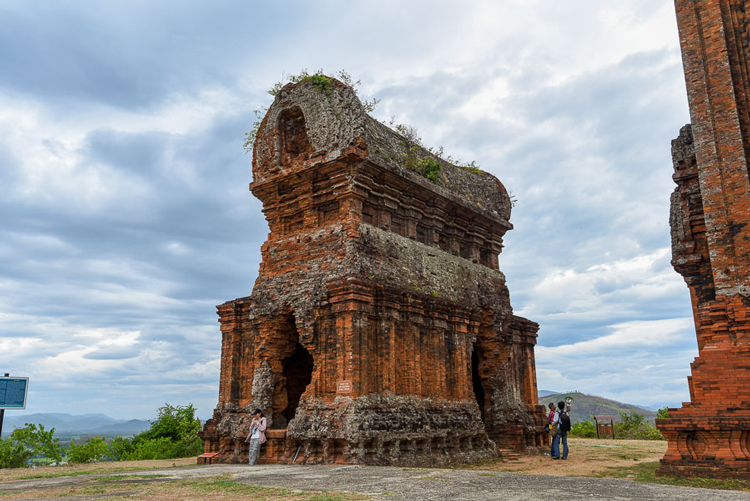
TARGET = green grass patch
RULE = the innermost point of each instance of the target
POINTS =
(227, 486)
(471, 168)
(57, 475)
(646, 472)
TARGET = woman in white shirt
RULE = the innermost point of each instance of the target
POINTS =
(257, 435)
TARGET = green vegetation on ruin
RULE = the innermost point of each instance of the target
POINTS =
(320, 81)
(418, 158)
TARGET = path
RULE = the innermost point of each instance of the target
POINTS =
(389, 483)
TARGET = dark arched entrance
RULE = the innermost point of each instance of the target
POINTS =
(476, 381)
(298, 369)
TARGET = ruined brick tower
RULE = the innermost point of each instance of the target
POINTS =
(710, 436)
(379, 329)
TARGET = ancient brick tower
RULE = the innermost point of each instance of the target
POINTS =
(379, 329)
(710, 436)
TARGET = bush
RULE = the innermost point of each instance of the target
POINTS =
(430, 168)
(634, 426)
(151, 448)
(91, 451)
(173, 434)
(176, 423)
(13, 454)
(118, 448)
(38, 440)
(583, 429)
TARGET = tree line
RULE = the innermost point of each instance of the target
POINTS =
(173, 434)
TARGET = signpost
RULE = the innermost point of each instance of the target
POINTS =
(13, 391)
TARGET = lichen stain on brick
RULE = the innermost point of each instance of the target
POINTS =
(380, 329)
(710, 208)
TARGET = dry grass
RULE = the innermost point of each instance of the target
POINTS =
(142, 486)
(7, 474)
(587, 458)
(157, 488)
(629, 459)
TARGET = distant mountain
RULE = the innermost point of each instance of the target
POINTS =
(86, 424)
(126, 429)
(584, 406)
(545, 393)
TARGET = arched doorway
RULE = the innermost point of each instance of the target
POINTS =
(476, 381)
(298, 369)
(297, 366)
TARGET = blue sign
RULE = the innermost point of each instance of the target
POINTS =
(13, 392)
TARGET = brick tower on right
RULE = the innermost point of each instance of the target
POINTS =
(710, 435)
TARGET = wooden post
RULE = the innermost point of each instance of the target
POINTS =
(2, 413)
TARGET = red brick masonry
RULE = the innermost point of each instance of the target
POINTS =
(710, 436)
(379, 330)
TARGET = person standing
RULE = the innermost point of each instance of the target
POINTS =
(555, 448)
(563, 427)
(257, 435)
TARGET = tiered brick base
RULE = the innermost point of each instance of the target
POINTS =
(708, 438)
(711, 447)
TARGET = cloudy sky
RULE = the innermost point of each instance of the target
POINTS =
(125, 215)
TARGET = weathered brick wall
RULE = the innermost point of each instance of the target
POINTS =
(710, 435)
(379, 329)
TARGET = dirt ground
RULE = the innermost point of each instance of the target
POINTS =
(526, 478)
(8, 474)
(587, 458)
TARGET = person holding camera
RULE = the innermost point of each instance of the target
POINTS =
(562, 421)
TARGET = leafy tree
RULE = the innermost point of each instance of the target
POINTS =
(583, 429)
(178, 423)
(662, 413)
(13, 454)
(27, 442)
(152, 448)
(119, 447)
(634, 426)
(38, 440)
(91, 451)
(631, 419)
(173, 434)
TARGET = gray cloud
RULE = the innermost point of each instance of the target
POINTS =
(123, 186)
